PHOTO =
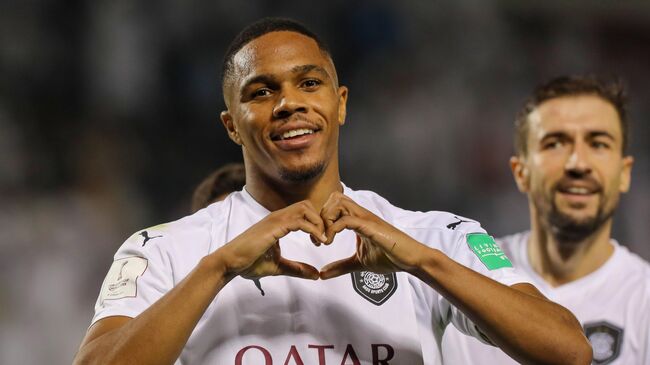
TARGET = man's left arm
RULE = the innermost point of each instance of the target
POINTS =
(517, 318)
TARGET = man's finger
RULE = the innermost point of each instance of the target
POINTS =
(297, 269)
(311, 216)
(334, 208)
(309, 228)
(331, 214)
(346, 222)
(341, 267)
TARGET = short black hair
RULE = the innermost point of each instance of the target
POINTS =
(260, 28)
(611, 90)
(224, 180)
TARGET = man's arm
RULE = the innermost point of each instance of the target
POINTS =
(158, 335)
(527, 326)
(518, 319)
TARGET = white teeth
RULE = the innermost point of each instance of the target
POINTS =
(576, 190)
(296, 132)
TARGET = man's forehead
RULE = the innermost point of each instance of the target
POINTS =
(575, 113)
(279, 52)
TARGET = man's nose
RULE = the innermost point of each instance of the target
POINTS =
(578, 163)
(290, 102)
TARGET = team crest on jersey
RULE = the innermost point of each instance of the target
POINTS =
(605, 340)
(375, 288)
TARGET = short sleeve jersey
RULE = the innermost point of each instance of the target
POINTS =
(359, 318)
(612, 304)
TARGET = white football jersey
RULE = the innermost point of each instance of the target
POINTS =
(359, 318)
(612, 304)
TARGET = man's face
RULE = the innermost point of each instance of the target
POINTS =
(574, 171)
(285, 107)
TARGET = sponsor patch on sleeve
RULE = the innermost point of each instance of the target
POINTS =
(121, 279)
(488, 251)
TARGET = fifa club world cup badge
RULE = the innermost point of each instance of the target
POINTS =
(375, 288)
(605, 340)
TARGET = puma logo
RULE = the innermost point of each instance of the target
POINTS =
(453, 226)
(145, 234)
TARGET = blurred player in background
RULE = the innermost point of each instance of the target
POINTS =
(216, 186)
(571, 138)
(391, 279)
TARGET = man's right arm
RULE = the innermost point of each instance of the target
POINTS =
(158, 335)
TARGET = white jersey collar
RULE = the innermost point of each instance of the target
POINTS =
(261, 210)
(601, 272)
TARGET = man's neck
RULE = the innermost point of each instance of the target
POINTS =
(561, 262)
(274, 195)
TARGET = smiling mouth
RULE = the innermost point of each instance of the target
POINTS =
(294, 133)
(577, 191)
(578, 188)
(578, 196)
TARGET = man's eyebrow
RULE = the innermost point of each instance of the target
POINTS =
(308, 68)
(270, 79)
(596, 134)
(259, 79)
(556, 134)
(591, 134)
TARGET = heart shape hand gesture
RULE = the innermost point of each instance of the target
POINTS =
(381, 247)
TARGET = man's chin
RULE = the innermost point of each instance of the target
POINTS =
(572, 231)
(577, 218)
(578, 213)
(574, 228)
(302, 173)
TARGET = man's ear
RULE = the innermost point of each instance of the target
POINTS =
(343, 100)
(230, 126)
(626, 174)
(520, 172)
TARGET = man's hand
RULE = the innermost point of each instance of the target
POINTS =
(381, 247)
(256, 252)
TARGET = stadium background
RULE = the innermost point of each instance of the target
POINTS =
(109, 118)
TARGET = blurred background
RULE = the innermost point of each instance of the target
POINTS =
(109, 119)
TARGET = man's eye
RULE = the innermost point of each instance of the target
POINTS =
(261, 93)
(311, 83)
(552, 145)
(599, 145)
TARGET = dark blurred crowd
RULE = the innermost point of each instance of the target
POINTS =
(109, 118)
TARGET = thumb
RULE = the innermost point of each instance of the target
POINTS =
(296, 269)
(341, 267)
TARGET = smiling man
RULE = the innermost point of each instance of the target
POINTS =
(382, 283)
(570, 141)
